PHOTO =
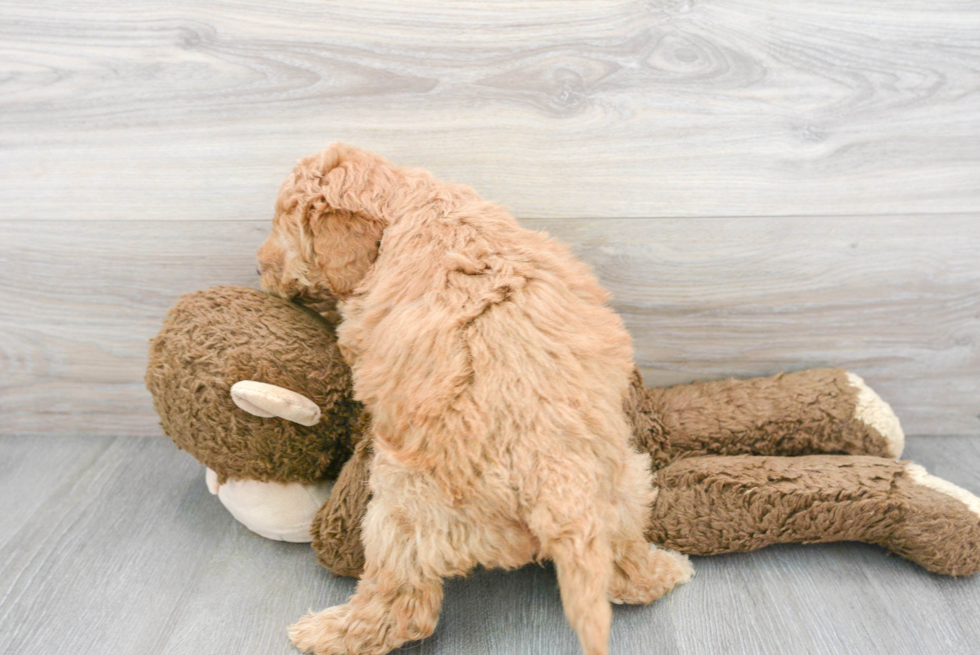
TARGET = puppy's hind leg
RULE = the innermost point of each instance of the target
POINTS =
(579, 547)
(397, 600)
(642, 572)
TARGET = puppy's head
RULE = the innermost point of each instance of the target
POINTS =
(316, 251)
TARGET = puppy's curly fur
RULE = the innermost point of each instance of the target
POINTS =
(496, 376)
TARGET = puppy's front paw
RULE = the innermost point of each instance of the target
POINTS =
(321, 633)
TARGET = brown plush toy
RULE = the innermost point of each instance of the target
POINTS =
(255, 388)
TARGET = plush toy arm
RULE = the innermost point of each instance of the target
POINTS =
(337, 526)
(711, 505)
(817, 411)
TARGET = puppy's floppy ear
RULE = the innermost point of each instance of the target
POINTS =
(329, 196)
(345, 245)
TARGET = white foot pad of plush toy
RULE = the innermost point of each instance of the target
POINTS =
(874, 411)
(282, 512)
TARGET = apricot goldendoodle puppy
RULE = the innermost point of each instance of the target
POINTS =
(495, 374)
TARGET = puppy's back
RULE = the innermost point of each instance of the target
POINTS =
(486, 333)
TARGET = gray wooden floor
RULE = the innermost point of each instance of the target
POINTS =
(113, 545)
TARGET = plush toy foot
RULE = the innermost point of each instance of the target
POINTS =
(878, 415)
(941, 530)
(283, 512)
(710, 505)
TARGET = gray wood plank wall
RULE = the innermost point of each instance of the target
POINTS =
(763, 186)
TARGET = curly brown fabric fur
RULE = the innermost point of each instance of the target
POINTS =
(212, 339)
(936, 532)
(711, 505)
(337, 526)
(806, 412)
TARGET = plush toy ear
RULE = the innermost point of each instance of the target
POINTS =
(345, 245)
(268, 400)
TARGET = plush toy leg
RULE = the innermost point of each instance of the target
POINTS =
(818, 411)
(274, 510)
(710, 505)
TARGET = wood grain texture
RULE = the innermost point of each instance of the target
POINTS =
(81, 301)
(128, 553)
(189, 110)
(895, 299)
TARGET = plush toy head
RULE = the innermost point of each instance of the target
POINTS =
(205, 347)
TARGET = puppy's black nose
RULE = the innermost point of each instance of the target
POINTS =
(258, 270)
